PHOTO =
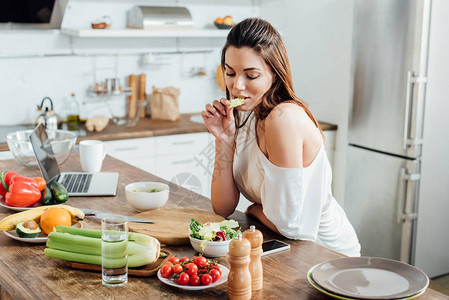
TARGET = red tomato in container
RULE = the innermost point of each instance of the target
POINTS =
(206, 279)
(183, 259)
(200, 261)
(183, 278)
(217, 267)
(215, 274)
(167, 270)
(195, 280)
(174, 260)
(192, 269)
(177, 268)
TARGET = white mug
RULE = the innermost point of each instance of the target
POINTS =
(92, 154)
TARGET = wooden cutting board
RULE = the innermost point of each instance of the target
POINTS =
(147, 270)
(171, 225)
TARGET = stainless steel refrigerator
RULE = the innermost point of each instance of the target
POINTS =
(383, 196)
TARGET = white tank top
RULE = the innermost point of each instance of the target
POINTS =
(298, 201)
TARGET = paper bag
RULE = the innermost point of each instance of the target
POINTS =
(164, 104)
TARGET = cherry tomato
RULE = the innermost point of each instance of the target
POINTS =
(217, 267)
(200, 261)
(192, 269)
(166, 270)
(195, 280)
(174, 260)
(177, 268)
(183, 259)
(215, 274)
(183, 278)
(206, 279)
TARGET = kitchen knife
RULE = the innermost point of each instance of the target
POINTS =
(100, 215)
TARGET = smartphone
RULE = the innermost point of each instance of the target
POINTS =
(272, 246)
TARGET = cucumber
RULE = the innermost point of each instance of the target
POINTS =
(47, 196)
(59, 192)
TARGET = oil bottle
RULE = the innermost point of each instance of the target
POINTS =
(73, 113)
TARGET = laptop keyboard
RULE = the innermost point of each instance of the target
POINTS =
(77, 183)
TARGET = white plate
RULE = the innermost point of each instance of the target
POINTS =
(2, 203)
(317, 287)
(370, 278)
(41, 239)
(223, 279)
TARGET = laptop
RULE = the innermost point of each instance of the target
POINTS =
(76, 183)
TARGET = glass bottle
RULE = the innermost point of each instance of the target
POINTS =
(73, 113)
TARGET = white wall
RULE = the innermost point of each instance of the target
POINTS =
(318, 37)
(27, 73)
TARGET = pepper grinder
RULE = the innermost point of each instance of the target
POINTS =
(255, 238)
(239, 278)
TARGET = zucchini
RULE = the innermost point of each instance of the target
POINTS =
(47, 196)
(59, 192)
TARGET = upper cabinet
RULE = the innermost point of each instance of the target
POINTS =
(137, 33)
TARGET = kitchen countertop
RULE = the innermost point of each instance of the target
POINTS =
(28, 274)
(148, 128)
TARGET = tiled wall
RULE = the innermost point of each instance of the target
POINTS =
(37, 63)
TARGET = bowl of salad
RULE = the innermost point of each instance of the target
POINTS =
(145, 196)
(212, 239)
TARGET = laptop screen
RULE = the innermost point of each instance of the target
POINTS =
(44, 153)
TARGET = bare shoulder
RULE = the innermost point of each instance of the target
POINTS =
(287, 116)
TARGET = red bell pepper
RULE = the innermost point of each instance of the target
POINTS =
(23, 191)
(6, 181)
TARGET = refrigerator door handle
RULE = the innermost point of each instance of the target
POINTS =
(403, 215)
(406, 214)
(401, 196)
(410, 81)
(407, 108)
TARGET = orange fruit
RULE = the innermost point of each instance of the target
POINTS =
(219, 20)
(228, 20)
(53, 217)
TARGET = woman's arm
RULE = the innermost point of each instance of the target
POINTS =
(225, 195)
(220, 122)
(256, 211)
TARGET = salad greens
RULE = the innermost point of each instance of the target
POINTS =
(152, 191)
(214, 231)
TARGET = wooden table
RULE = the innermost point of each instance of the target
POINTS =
(25, 273)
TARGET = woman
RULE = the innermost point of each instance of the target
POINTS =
(271, 149)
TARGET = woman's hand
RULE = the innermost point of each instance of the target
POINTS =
(219, 120)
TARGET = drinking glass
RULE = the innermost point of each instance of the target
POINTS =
(114, 252)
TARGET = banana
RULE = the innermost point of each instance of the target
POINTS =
(76, 213)
(10, 222)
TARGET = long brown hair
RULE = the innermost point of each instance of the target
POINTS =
(259, 35)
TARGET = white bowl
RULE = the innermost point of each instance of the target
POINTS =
(145, 200)
(210, 249)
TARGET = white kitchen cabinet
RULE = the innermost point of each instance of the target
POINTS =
(137, 152)
(185, 159)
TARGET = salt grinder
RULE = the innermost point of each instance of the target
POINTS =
(255, 238)
(239, 278)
